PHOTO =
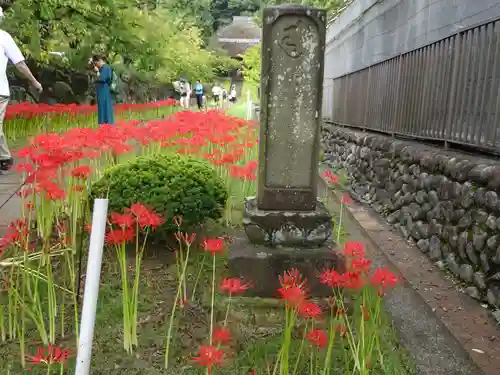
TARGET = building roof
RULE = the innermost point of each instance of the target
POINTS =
(238, 36)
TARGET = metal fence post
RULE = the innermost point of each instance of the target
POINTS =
(452, 96)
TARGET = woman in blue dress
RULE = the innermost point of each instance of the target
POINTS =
(105, 113)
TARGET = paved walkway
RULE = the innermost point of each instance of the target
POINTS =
(9, 205)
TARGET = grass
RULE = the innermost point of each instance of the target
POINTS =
(256, 324)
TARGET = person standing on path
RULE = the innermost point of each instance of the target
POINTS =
(199, 91)
(216, 95)
(185, 91)
(10, 51)
(232, 94)
(105, 111)
(224, 97)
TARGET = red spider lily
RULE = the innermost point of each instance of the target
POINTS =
(346, 199)
(221, 336)
(213, 245)
(383, 279)
(360, 265)
(120, 236)
(353, 280)
(17, 234)
(234, 286)
(331, 278)
(25, 168)
(330, 177)
(51, 190)
(209, 356)
(83, 171)
(50, 355)
(145, 217)
(354, 250)
(318, 338)
(309, 310)
(294, 296)
(122, 220)
(292, 278)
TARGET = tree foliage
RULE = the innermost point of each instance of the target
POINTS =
(251, 58)
(150, 38)
(333, 7)
(251, 65)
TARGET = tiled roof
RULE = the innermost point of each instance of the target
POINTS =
(240, 35)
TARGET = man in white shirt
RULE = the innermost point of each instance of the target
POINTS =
(216, 95)
(185, 91)
(10, 51)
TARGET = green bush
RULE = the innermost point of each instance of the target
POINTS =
(171, 184)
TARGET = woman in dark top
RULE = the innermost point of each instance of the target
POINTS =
(105, 113)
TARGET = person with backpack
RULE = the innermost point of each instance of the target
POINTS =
(199, 92)
(185, 91)
(105, 84)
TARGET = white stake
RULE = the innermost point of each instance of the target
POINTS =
(249, 106)
(92, 280)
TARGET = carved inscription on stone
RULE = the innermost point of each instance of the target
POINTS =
(291, 98)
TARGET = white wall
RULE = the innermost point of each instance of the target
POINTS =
(370, 31)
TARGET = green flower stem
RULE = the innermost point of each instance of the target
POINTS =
(172, 314)
(212, 302)
(301, 349)
(198, 276)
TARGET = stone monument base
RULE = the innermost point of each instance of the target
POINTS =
(262, 266)
(287, 228)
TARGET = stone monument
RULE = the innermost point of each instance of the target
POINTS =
(286, 225)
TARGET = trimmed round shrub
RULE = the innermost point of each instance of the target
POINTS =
(170, 184)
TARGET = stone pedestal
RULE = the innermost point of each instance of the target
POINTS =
(285, 225)
(262, 266)
(286, 228)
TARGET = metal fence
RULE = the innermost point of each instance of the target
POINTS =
(448, 90)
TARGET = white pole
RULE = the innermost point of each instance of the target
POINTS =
(92, 280)
(249, 105)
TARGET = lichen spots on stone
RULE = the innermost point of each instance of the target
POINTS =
(292, 99)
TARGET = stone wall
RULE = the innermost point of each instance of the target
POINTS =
(446, 202)
(66, 86)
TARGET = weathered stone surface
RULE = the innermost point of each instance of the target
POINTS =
(293, 48)
(466, 272)
(493, 294)
(286, 228)
(286, 225)
(446, 202)
(263, 265)
(479, 280)
(473, 292)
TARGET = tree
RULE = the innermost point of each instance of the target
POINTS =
(251, 65)
(333, 7)
(251, 58)
(142, 36)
